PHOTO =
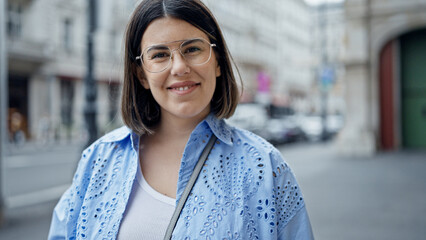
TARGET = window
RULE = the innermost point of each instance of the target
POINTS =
(67, 100)
(14, 20)
(68, 43)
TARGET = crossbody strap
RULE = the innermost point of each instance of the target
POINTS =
(188, 187)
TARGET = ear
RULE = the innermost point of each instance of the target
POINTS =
(142, 79)
(218, 73)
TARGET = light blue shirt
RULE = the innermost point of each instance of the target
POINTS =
(244, 191)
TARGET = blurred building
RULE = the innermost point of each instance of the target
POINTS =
(328, 50)
(385, 75)
(47, 63)
(271, 42)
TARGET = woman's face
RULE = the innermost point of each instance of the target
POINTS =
(183, 91)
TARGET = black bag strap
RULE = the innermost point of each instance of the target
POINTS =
(188, 187)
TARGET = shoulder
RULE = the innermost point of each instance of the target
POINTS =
(98, 176)
(256, 148)
(106, 155)
(114, 137)
(107, 146)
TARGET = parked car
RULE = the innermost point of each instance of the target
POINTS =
(283, 130)
(250, 116)
(312, 126)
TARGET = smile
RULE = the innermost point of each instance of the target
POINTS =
(183, 88)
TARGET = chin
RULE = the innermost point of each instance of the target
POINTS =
(188, 113)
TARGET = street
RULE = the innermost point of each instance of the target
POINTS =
(34, 177)
(380, 197)
(38, 173)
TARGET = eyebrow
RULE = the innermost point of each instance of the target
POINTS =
(189, 41)
(158, 47)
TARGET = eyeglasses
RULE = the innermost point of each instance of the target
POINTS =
(157, 58)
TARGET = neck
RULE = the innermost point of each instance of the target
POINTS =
(174, 128)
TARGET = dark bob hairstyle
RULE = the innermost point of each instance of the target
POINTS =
(140, 111)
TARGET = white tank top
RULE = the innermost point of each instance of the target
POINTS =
(147, 214)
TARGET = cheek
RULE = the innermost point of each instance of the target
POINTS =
(155, 81)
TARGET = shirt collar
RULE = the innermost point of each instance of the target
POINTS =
(218, 127)
(117, 135)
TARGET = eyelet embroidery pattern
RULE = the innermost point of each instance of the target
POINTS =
(287, 196)
(101, 180)
(289, 202)
(233, 179)
(219, 127)
(194, 205)
(232, 236)
(196, 144)
(216, 215)
(98, 182)
(251, 229)
(266, 212)
(85, 192)
(233, 184)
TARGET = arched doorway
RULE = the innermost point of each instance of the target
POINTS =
(403, 92)
(413, 89)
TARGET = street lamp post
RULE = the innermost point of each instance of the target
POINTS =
(3, 99)
(90, 108)
(323, 81)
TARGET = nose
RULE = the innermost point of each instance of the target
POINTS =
(179, 64)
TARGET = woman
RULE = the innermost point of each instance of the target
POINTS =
(178, 87)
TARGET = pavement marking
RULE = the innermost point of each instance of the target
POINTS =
(37, 197)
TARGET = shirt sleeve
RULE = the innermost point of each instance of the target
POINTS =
(66, 211)
(298, 227)
(293, 220)
(58, 224)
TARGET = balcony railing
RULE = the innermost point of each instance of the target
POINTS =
(28, 50)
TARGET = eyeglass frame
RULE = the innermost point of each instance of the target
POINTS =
(211, 45)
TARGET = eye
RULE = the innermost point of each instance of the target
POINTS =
(192, 49)
(158, 55)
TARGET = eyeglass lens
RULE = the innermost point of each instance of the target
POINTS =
(158, 57)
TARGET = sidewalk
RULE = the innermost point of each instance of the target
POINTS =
(34, 178)
(380, 198)
(34, 147)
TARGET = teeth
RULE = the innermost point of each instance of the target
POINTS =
(182, 88)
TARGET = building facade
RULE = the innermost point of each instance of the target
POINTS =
(271, 45)
(47, 42)
(328, 50)
(385, 76)
(271, 42)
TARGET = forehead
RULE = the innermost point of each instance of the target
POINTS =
(166, 30)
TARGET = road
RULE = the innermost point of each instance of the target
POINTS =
(34, 177)
(351, 198)
(36, 174)
(379, 197)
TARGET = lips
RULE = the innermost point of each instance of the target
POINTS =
(183, 86)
